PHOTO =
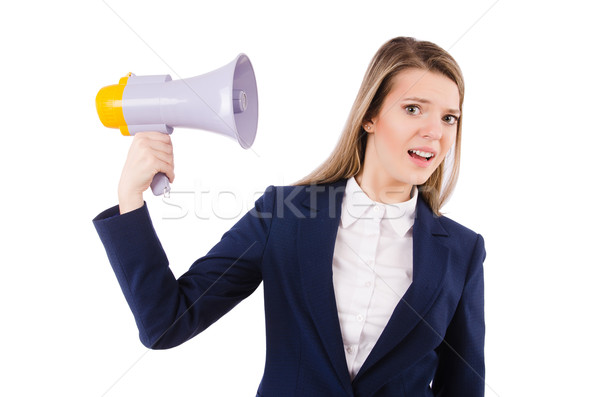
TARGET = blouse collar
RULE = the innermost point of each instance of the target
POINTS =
(357, 205)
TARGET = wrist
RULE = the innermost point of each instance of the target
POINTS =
(130, 202)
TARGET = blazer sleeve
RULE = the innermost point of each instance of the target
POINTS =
(461, 369)
(170, 311)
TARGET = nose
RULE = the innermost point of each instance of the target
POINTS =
(432, 129)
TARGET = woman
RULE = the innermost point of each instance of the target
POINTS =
(368, 290)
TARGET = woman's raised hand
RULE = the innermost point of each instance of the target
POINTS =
(149, 154)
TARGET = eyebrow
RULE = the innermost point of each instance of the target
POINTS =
(423, 100)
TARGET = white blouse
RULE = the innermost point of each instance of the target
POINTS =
(372, 268)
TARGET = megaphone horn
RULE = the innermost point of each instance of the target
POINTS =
(224, 101)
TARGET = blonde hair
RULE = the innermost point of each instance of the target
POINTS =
(396, 55)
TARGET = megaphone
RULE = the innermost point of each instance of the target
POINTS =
(224, 101)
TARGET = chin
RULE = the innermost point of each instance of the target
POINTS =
(415, 178)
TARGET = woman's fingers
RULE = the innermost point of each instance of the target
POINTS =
(157, 150)
(149, 154)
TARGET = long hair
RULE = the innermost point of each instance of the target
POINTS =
(348, 157)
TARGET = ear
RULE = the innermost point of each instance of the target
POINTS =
(368, 126)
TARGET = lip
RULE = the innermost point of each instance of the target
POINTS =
(419, 162)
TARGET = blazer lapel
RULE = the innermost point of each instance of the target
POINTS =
(316, 241)
(430, 262)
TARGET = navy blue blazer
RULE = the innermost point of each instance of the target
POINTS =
(431, 346)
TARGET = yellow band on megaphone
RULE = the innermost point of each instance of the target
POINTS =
(109, 105)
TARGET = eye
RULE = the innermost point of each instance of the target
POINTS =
(450, 119)
(412, 109)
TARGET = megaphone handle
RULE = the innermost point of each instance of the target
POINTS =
(160, 184)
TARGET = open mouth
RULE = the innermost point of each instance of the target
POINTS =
(418, 154)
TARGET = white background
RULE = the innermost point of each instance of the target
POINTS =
(528, 180)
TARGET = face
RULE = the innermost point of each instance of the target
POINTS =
(415, 128)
